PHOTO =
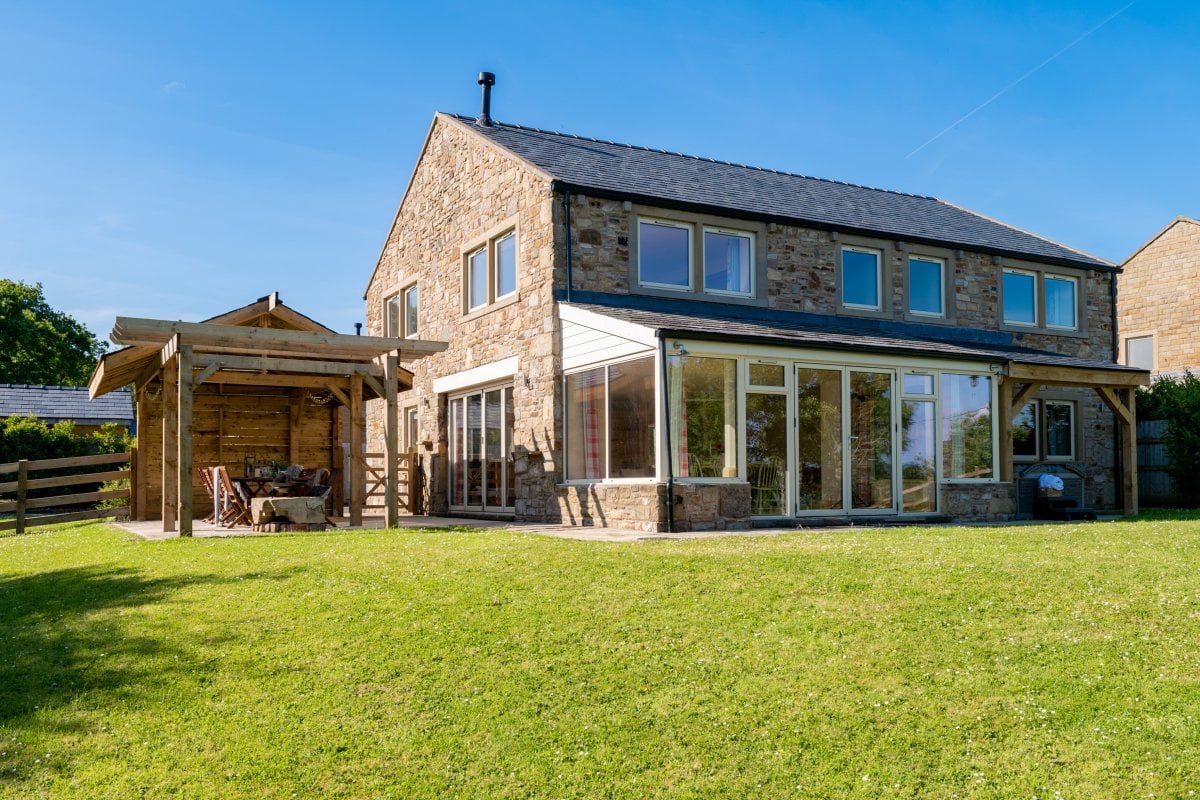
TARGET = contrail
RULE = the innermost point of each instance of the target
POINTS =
(1003, 91)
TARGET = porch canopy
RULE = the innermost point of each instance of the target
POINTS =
(1021, 371)
(265, 345)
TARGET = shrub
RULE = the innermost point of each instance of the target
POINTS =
(1177, 400)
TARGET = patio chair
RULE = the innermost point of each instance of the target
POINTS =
(285, 484)
(237, 498)
(207, 481)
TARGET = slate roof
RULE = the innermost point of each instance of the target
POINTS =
(723, 323)
(54, 403)
(610, 168)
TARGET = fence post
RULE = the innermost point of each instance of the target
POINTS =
(22, 485)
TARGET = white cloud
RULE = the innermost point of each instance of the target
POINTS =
(172, 87)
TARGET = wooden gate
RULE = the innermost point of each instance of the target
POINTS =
(408, 492)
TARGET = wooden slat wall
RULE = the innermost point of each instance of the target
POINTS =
(233, 422)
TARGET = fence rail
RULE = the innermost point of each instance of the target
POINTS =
(21, 503)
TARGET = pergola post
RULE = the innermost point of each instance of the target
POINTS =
(139, 485)
(183, 472)
(1129, 443)
(392, 448)
(356, 445)
(1006, 418)
(170, 444)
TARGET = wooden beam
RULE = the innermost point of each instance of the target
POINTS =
(140, 471)
(298, 365)
(204, 374)
(1111, 400)
(369, 377)
(1077, 376)
(356, 449)
(295, 412)
(204, 335)
(286, 381)
(165, 354)
(1006, 418)
(392, 441)
(170, 445)
(1022, 397)
(184, 441)
(340, 395)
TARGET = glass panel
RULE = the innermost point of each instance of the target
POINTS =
(1139, 352)
(870, 440)
(1060, 434)
(457, 472)
(918, 460)
(410, 428)
(925, 292)
(392, 323)
(506, 265)
(819, 424)
(703, 395)
(1060, 302)
(410, 311)
(631, 419)
(477, 279)
(726, 262)
(1019, 302)
(860, 278)
(474, 443)
(766, 374)
(586, 424)
(493, 452)
(1024, 432)
(915, 383)
(510, 482)
(967, 426)
(663, 255)
(766, 452)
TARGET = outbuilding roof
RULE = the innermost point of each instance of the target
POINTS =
(55, 403)
(605, 168)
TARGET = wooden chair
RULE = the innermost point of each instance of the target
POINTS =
(285, 484)
(207, 481)
(237, 510)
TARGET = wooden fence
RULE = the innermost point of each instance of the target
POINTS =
(1155, 486)
(408, 483)
(24, 485)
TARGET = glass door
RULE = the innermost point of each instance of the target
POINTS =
(872, 473)
(481, 468)
(819, 439)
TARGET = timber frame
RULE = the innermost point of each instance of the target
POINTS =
(265, 345)
(1116, 388)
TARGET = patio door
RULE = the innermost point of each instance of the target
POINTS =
(481, 463)
(845, 440)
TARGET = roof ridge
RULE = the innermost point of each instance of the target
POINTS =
(643, 148)
(1012, 227)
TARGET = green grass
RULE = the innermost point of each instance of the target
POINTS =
(1035, 661)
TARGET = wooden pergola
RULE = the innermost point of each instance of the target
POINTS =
(1116, 387)
(261, 345)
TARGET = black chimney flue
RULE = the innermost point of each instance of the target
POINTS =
(487, 80)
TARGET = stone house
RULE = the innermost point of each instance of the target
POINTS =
(648, 340)
(1156, 309)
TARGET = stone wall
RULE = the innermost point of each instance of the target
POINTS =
(979, 502)
(642, 506)
(462, 189)
(1156, 296)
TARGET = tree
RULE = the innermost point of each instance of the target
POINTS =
(39, 344)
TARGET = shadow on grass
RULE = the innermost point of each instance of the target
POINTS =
(60, 642)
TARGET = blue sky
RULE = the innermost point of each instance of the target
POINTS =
(176, 160)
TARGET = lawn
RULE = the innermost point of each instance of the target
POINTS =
(1034, 661)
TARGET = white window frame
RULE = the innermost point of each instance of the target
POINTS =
(408, 320)
(389, 330)
(1125, 340)
(470, 282)
(751, 266)
(1071, 428)
(691, 260)
(854, 248)
(941, 262)
(654, 448)
(494, 274)
(1037, 306)
(1055, 276)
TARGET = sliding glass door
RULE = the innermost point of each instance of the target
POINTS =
(481, 463)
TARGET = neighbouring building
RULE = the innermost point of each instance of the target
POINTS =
(54, 404)
(648, 340)
(1156, 308)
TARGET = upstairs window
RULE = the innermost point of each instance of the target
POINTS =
(490, 272)
(400, 313)
(861, 278)
(926, 286)
(727, 261)
(1020, 297)
(665, 254)
(1139, 352)
(1037, 299)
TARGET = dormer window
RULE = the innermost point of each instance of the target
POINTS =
(1040, 299)
(665, 254)
(695, 257)
(728, 261)
(862, 278)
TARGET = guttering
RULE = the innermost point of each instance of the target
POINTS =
(726, 211)
(666, 409)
